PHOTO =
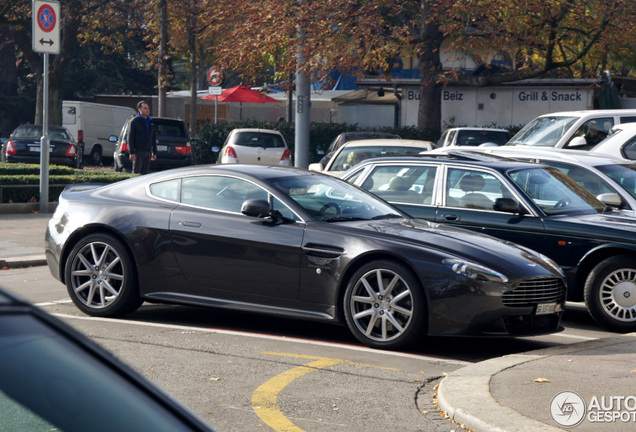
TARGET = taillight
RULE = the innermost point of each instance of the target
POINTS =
(80, 135)
(124, 146)
(229, 152)
(10, 149)
(186, 149)
(286, 155)
(71, 151)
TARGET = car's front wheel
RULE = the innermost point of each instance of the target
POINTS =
(100, 277)
(610, 293)
(385, 306)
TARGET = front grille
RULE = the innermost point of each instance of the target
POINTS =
(531, 292)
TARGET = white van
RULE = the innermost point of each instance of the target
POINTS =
(580, 130)
(93, 124)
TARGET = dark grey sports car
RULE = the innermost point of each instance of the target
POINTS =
(295, 243)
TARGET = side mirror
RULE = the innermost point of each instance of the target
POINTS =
(577, 142)
(316, 167)
(256, 208)
(216, 149)
(507, 205)
(610, 199)
(112, 138)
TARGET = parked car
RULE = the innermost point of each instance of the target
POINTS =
(621, 143)
(174, 145)
(473, 136)
(579, 130)
(255, 146)
(295, 243)
(345, 137)
(53, 378)
(530, 204)
(611, 180)
(24, 146)
(355, 151)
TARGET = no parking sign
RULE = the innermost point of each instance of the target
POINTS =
(46, 26)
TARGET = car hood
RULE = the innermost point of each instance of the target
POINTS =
(503, 256)
(614, 226)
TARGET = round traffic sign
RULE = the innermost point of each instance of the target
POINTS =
(215, 76)
(46, 18)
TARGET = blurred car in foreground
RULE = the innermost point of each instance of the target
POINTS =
(611, 180)
(473, 136)
(294, 243)
(23, 146)
(354, 152)
(255, 146)
(52, 378)
(174, 145)
(529, 204)
(621, 143)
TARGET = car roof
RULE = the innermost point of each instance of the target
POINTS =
(580, 157)
(466, 157)
(628, 127)
(479, 129)
(272, 131)
(590, 113)
(387, 142)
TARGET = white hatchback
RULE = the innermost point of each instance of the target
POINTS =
(255, 146)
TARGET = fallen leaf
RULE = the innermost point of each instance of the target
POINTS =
(542, 380)
(215, 379)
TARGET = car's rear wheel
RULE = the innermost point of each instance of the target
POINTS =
(95, 158)
(385, 306)
(100, 277)
(610, 293)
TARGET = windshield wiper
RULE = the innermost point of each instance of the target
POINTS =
(343, 219)
(387, 216)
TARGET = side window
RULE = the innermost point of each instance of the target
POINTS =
(629, 149)
(584, 178)
(219, 192)
(473, 189)
(406, 184)
(440, 142)
(628, 119)
(167, 190)
(594, 131)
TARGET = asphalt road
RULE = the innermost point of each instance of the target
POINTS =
(243, 372)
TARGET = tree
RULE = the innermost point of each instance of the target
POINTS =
(545, 37)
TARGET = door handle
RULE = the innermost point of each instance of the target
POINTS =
(191, 224)
(450, 217)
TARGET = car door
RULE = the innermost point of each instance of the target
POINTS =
(466, 197)
(228, 254)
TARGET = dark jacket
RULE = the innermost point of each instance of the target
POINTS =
(141, 136)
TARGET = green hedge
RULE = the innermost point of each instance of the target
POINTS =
(29, 175)
(320, 136)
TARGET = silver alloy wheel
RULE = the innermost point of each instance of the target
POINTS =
(97, 275)
(381, 305)
(617, 294)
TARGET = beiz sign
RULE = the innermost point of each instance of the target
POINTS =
(46, 27)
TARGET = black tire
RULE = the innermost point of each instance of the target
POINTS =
(100, 277)
(385, 306)
(95, 158)
(610, 293)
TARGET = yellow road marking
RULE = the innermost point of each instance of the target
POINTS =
(265, 397)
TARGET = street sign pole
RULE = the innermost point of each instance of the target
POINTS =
(44, 141)
(46, 40)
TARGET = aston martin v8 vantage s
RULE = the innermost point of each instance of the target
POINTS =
(294, 243)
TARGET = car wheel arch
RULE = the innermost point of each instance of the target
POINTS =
(595, 256)
(362, 260)
(78, 235)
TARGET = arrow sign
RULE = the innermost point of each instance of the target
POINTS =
(46, 26)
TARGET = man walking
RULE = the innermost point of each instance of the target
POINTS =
(141, 140)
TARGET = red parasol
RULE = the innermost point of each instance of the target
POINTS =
(242, 93)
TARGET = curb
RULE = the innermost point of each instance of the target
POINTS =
(23, 262)
(465, 397)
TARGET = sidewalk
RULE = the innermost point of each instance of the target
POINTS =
(520, 392)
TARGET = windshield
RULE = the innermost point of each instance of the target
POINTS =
(350, 156)
(543, 131)
(554, 192)
(624, 175)
(331, 199)
(477, 137)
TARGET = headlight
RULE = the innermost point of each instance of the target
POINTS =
(474, 271)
